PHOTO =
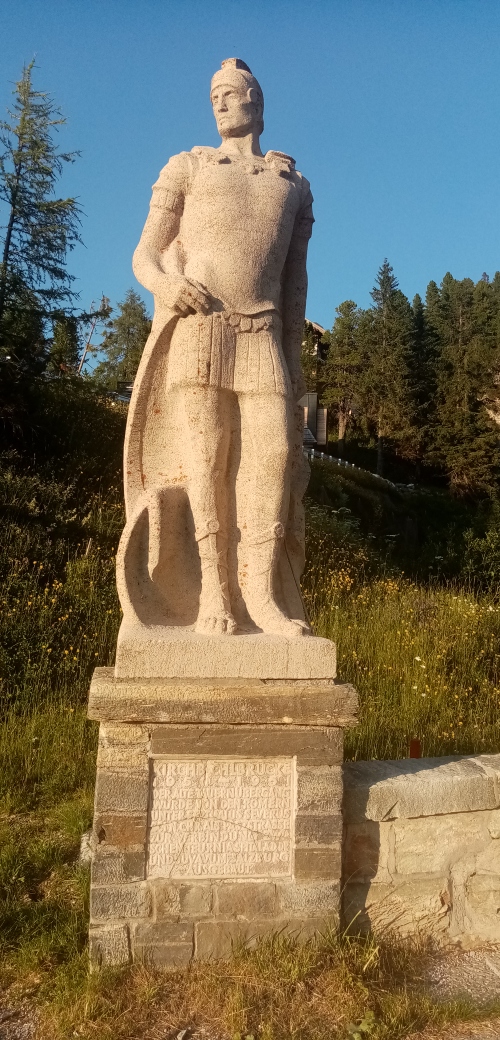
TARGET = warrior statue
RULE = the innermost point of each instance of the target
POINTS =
(214, 469)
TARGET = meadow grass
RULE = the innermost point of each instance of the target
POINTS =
(424, 658)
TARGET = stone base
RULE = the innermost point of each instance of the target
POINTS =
(207, 832)
(156, 651)
(422, 848)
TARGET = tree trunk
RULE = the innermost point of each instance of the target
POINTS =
(380, 448)
(341, 433)
(6, 251)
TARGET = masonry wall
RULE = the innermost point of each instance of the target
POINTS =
(421, 847)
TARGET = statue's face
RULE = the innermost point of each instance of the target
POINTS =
(235, 110)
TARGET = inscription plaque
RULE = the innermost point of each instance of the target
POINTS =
(220, 818)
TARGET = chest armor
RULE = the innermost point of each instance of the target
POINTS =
(236, 229)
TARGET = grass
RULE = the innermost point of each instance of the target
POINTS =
(425, 658)
(334, 986)
(423, 655)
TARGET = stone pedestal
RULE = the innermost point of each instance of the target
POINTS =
(208, 828)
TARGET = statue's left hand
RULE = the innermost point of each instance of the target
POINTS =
(190, 296)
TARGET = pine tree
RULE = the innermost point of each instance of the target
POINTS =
(39, 228)
(24, 351)
(342, 373)
(422, 359)
(385, 334)
(123, 342)
(64, 352)
(465, 440)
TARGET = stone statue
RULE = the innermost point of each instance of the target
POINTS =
(214, 469)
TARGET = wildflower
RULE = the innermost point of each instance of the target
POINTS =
(414, 687)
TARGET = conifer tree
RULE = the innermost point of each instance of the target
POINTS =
(39, 228)
(123, 342)
(342, 373)
(422, 358)
(385, 333)
(64, 351)
(465, 440)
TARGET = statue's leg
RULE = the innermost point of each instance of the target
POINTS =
(268, 423)
(207, 411)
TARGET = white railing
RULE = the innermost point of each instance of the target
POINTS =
(313, 453)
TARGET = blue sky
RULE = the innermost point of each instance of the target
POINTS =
(390, 108)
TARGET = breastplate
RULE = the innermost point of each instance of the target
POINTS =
(235, 233)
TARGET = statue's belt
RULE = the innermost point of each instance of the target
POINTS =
(243, 322)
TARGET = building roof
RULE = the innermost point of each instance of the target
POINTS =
(318, 328)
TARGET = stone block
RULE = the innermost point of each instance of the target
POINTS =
(173, 900)
(323, 745)
(113, 865)
(196, 900)
(432, 844)
(317, 830)
(119, 901)
(494, 824)
(405, 907)
(109, 946)
(368, 851)
(483, 906)
(306, 928)
(121, 759)
(147, 932)
(166, 899)
(215, 940)
(124, 734)
(318, 863)
(319, 789)
(169, 955)
(213, 818)
(309, 898)
(488, 860)
(125, 792)
(246, 900)
(167, 651)
(120, 831)
(312, 702)
(421, 787)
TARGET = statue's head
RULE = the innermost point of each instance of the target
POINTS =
(237, 99)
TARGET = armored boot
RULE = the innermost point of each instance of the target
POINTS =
(214, 613)
(262, 553)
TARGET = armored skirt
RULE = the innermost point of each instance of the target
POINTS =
(229, 352)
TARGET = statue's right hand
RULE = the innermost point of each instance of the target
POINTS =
(188, 296)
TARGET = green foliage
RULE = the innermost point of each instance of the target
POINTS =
(64, 352)
(386, 332)
(60, 492)
(342, 373)
(40, 228)
(421, 380)
(23, 344)
(422, 653)
(123, 343)
(43, 892)
(464, 439)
